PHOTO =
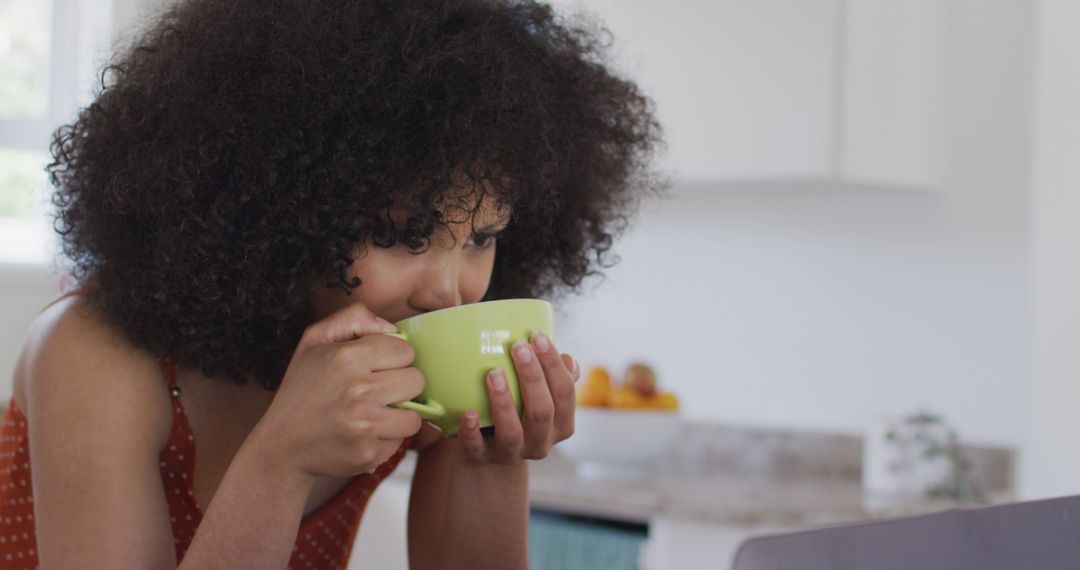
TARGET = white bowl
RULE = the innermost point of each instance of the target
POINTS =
(619, 443)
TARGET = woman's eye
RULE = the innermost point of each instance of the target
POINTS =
(482, 241)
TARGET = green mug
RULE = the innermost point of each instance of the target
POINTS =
(455, 349)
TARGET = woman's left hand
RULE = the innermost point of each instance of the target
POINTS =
(546, 380)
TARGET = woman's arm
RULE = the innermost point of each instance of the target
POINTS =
(427, 500)
(97, 422)
(464, 515)
(99, 415)
(255, 514)
(470, 494)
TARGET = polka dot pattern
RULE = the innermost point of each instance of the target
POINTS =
(17, 544)
(324, 540)
(325, 537)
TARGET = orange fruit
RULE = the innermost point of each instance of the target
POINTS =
(665, 401)
(627, 398)
(599, 377)
(593, 397)
(596, 390)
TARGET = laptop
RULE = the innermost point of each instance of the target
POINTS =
(1036, 535)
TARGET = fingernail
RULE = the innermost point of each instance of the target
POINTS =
(523, 352)
(498, 380)
(471, 420)
(572, 365)
(541, 342)
(387, 326)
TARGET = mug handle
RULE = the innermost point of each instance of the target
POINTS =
(431, 410)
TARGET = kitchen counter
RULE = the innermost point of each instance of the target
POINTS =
(739, 477)
(719, 498)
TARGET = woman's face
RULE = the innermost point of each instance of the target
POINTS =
(396, 284)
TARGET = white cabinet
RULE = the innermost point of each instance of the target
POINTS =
(852, 90)
(743, 88)
(382, 543)
(892, 96)
(677, 543)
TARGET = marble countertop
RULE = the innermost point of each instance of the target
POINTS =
(791, 480)
(719, 498)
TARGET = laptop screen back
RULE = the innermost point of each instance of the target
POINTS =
(1038, 534)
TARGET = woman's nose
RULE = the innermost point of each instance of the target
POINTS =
(440, 285)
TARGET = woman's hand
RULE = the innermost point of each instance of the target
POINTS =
(546, 380)
(330, 417)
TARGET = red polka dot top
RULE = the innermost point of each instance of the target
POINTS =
(324, 540)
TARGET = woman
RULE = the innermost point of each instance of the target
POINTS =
(259, 188)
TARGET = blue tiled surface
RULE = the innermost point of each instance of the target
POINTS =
(560, 542)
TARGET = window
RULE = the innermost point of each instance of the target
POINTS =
(24, 58)
(50, 51)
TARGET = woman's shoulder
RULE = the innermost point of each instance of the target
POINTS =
(71, 352)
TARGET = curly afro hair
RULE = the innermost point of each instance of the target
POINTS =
(238, 151)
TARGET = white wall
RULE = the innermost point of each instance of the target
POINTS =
(24, 290)
(1051, 460)
(129, 15)
(816, 308)
(819, 306)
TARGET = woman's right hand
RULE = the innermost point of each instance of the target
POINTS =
(331, 415)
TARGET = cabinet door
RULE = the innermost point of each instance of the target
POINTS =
(677, 543)
(381, 543)
(893, 100)
(743, 88)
